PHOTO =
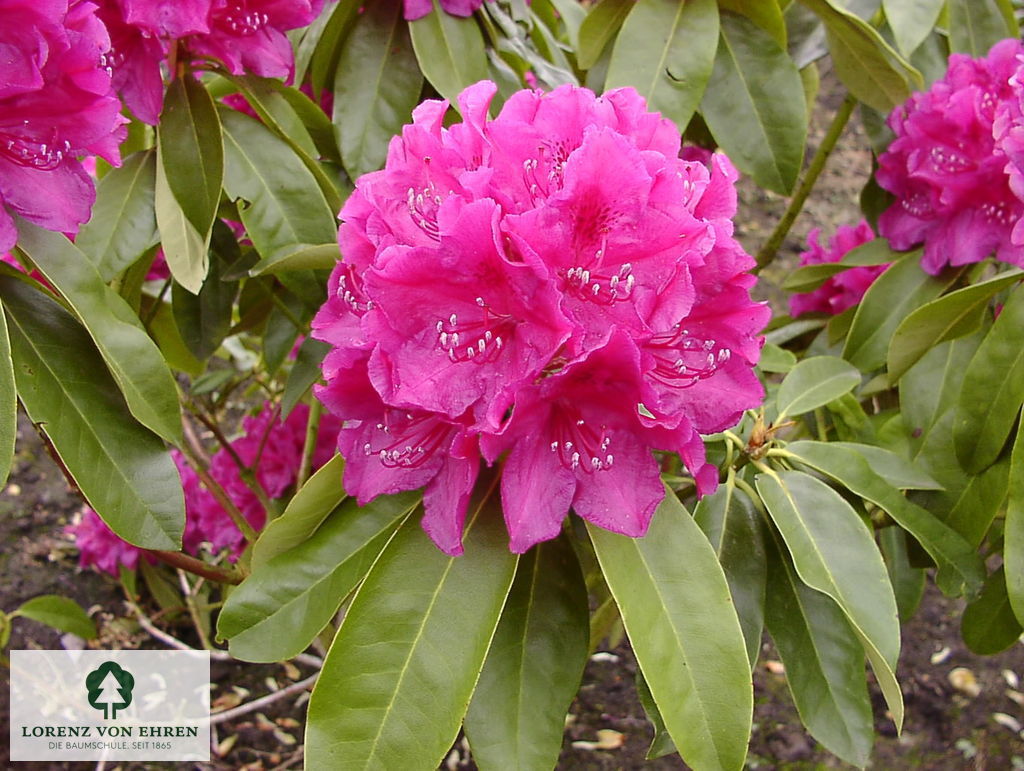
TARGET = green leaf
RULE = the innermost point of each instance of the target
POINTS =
(813, 383)
(304, 373)
(324, 63)
(61, 613)
(666, 50)
(890, 299)
(282, 207)
(535, 663)
(191, 151)
(8, 403)
(733, 527)
(662, 743)
(305, 512)
(776, 359)
(287, 599)
(205, 319)
(953, 315)
(133, 358)
(833, 552)
(123, 223)
(976, 25)
(755, 106)
(911, 21)
(122, 468)
(907, 581)
(1013, 533)
(993, 389)
(397, 681)
(960, 566)
(599, 27)
(679, 615)
(450, 51)
(184, 247)
(808, 277)
(988, 624)
(377, 85)
(893, 468)
(167, 337)
(824, 662)
(768, 16)
(318, 257)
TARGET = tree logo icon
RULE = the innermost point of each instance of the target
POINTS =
(110, 688)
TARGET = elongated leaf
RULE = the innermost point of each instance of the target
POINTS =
(305, 372)
(191, 151)
(755, 106)
(662, 743)
(893, 468)
(953, 315)
(133, 358)
(397, 681)
(122, 468)
(123, 223)
(908, 582)
(808, 277)
(875, 73)
(1013, 549)
(319, 257)
(677, 610)
(993, 389)
(281, 205)
(814, 383)
(286, 600)
(205, 319)
(976, 25)
(666, 50)
(324, 63)
(988, 624)
(450, 51)
(8, 403)
(601, 25)
(61, 613)
(184, 247)
(902, 288)
(305, 512)
(960, 566)
(834, 553)
(911, 21)
(732, 526)
(768, 16)
(824, 662)
(535, 663)
(377, 85)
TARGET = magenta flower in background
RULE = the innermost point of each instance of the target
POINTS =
(415, 9)
(56, 105)
(946, 170)
(1008, 132)
(844, 290)
(100, 547)
(135, 59)
(555, 284)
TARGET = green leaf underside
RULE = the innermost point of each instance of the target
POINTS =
(813, 383)
(8, 402)
(61, 613)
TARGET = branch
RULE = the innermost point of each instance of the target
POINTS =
(244, 709)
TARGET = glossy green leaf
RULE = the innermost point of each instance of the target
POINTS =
(450, 51)
(901, 289)
(953, 315)
(377, 85)
(792, 330)
(160, 321)
(893, 468)
(133, 358)
(988, 624)
(911, 21)
(305, 512)
(754, 105)
(204, 320)
(324, 63)
(824, 662)
(960, 566)
(287, 599)
(1013, 532)
(61, 613)
(8, 402)
(768, 16)
(834, 553)
(808, 277)
(535, 663)
(398, 679)
(122, 468)
(776, 359)
(123, 223)
(665, 50)
(907, 581)
(976, 25)
(875, 73)
(601, 25)
(184, 247)
(733, 527)
(676, 606)
(304, 373)
(282, 207)
(191, 151)
(993, 389)
(813, 383)
(662, 743)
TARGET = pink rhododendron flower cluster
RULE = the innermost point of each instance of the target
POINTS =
(946, 169)
(56, 105)
(278, 445)
(845, 289)
(556, 285)
(1008, 131)
(415, 9)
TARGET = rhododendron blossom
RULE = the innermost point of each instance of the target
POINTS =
(946, 169)
(844, 290)
(56, 105)
(555, 287)
(1008, 132)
